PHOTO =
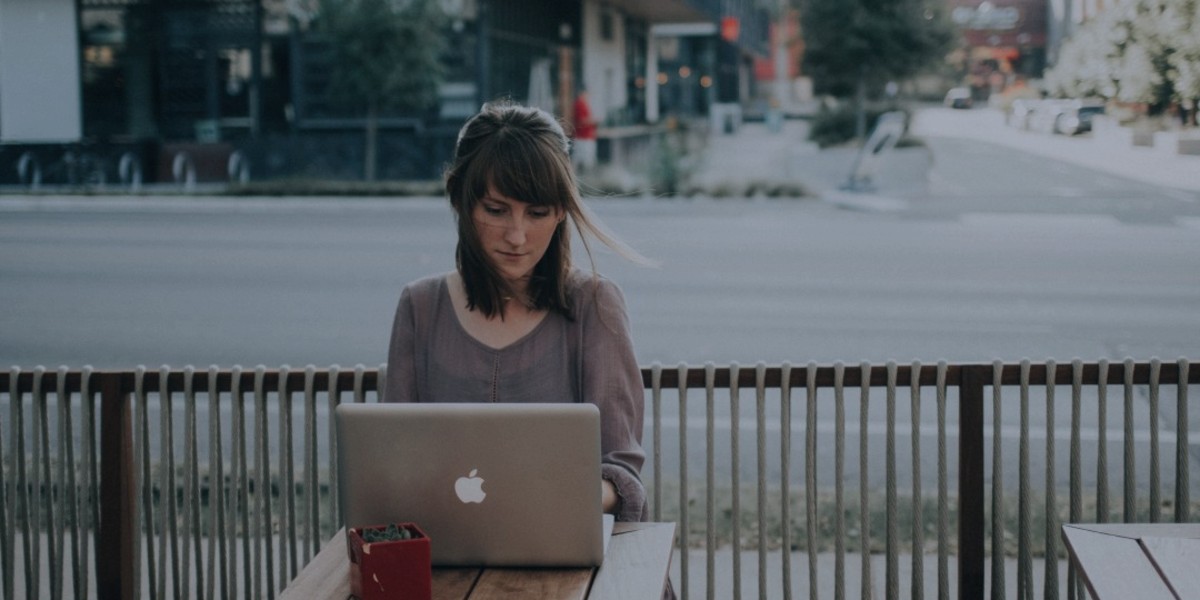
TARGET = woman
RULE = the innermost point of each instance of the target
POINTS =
(515, 322)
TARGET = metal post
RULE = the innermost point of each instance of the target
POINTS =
(256, 73)
(971, 531)
(115, 542)
(483, 45)
(651, 76)
(779, 50)
(298, 63)
(212, 77)
(566, 84)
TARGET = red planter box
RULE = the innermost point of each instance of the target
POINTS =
(394, 570)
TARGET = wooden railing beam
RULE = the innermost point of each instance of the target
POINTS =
(115, 560)
(971, 520)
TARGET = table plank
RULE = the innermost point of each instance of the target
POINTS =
(1136, 531)
(638, 557)
(1178, 560)
(1114, 567)
(453, 584)
(635, 568)
(547, 584)
(327, 575)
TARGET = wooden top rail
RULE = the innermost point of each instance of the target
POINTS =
(177, 379)
(695, 377)
(1011, 374)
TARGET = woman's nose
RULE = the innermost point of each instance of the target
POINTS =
(515, 232)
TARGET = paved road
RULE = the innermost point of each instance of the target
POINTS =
(300, 282)
(989, 254)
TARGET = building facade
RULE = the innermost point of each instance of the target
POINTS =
(151, 79)
(1002, 42)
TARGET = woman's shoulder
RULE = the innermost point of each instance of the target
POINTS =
(425, 290)
(595, 292)
(430, 284)
(590, 283)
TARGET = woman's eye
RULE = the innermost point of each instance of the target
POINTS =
(493, 210)
(539, 214)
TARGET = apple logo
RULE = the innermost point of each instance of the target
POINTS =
(470, 488)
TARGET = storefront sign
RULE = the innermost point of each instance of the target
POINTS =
(730, 27)
(986, 16)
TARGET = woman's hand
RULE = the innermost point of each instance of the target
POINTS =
(609, 498)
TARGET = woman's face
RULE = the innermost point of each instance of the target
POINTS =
(514, 235)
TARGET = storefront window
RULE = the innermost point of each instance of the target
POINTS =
(104, 82)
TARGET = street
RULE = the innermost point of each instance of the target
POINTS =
(236, 281)
(313, 282)
(1035, 259)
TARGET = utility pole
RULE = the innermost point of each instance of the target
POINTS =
(782, 71)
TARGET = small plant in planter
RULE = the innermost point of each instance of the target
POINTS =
(389, 562)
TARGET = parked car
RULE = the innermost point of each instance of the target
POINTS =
(1069, 116)
(1044, 114)
(959, 97)
(1076, 118)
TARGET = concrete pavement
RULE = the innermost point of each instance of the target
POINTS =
(1149, 165)
(757, 156)
(754, 154)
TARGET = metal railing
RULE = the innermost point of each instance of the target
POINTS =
(189, 483)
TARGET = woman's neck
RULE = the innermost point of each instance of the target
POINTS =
(519, 288)
(499, 330)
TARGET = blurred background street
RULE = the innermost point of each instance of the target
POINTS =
(252, 182)
(967, 250)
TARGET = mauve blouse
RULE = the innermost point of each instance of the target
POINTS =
(431, 358)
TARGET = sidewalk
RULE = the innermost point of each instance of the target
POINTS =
(756, 155)
(1144, 164)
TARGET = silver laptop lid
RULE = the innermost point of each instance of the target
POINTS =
(491, 484)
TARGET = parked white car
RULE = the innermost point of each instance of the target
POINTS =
(1068, 116)
(959, 97)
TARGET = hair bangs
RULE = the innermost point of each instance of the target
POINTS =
(519, 166)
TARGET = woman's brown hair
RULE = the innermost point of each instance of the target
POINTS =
(524, 154)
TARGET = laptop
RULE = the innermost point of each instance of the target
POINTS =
(491, 484)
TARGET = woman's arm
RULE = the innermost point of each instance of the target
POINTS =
(401, 382)
(613, 382)
(608, 494)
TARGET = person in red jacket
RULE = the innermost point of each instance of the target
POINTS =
(583, 152)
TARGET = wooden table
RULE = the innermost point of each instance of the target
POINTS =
(1136, 560)
(635, 567)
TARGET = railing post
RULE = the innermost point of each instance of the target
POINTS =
(115, 543)
(971, 521)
